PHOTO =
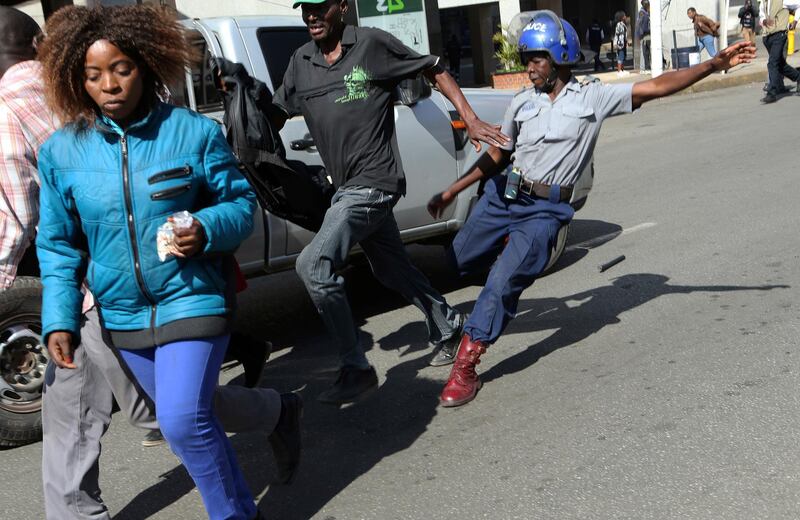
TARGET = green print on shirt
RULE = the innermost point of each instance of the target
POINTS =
(356, 85)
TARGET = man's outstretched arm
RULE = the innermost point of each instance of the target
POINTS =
(672, 82)
(487, 165)
(476, 129)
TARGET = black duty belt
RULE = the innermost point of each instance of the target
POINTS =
(542, 190)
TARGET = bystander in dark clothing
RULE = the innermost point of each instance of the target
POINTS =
(643, 34)
(454, 56)
(747, 19)
(595, 37)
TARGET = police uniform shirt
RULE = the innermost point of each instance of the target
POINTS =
(552, 142)
(348, 106)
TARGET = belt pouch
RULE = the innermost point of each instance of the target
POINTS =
(513, 178)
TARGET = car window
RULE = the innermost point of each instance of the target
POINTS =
(277, 45)
(204, 94)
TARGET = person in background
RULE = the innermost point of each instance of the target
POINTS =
(621, 41)
(453, 51)
(747, 20)
(705, 29)
(595, 37)
(515, 224)
(643, 34)
(24, 126)
(774, 19)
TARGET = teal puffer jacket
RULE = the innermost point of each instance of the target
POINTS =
(105, 192)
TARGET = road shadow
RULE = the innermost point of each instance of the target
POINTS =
(597, 308)
(343, 445)
(340, 445)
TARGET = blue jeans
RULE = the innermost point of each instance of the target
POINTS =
(360, 215)
(531, 225)
(180, 378)
(621, 56)
(707, 42)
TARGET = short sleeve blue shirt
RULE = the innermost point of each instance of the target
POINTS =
(552, 142)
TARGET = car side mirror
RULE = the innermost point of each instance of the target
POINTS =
(410, 91)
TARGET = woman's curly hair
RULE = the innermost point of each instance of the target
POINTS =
(150, 36)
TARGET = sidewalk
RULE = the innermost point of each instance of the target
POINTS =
(755, 72)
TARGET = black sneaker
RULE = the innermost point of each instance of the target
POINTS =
(351, 385)
(285, 440)
(153, 438)
(769, 98)
(448, 348)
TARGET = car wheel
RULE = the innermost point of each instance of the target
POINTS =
(561, 242)
(23, 360)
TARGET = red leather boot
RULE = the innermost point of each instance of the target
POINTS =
(463, 383)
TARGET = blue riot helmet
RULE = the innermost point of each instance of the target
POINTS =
(546, 32)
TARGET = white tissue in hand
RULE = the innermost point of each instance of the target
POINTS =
(164, 240)
(182, 219)
(166, 235)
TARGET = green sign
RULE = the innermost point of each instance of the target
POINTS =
(369, 8)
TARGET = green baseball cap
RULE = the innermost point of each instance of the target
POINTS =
(300, 2)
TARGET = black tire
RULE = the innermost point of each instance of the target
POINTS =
(555, 254)
(23, 359)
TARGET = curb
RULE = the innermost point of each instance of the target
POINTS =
(757, 76)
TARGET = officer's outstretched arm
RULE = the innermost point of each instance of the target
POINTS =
(672, 82)
(487, 165)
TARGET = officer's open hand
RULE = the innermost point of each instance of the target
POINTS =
(439, 203)
(188, 241)
(736, 54)
(60, 348)
(490, 134)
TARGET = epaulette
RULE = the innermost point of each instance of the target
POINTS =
(588, 80)
(523, 90)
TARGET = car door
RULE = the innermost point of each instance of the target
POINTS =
(427, 147)
(277, 44)
(200, 94)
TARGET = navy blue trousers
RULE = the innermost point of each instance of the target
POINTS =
(531, 225)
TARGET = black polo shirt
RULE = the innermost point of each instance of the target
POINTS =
(348, 105)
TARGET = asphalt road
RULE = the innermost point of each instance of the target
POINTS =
(664, 388)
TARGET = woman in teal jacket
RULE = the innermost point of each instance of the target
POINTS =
(123, 163)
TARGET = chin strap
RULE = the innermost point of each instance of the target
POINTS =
(550, 82)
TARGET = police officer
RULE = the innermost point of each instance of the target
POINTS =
(553, 128)
(595, 37)
(643, 34)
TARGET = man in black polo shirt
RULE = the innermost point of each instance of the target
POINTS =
(342, 82)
